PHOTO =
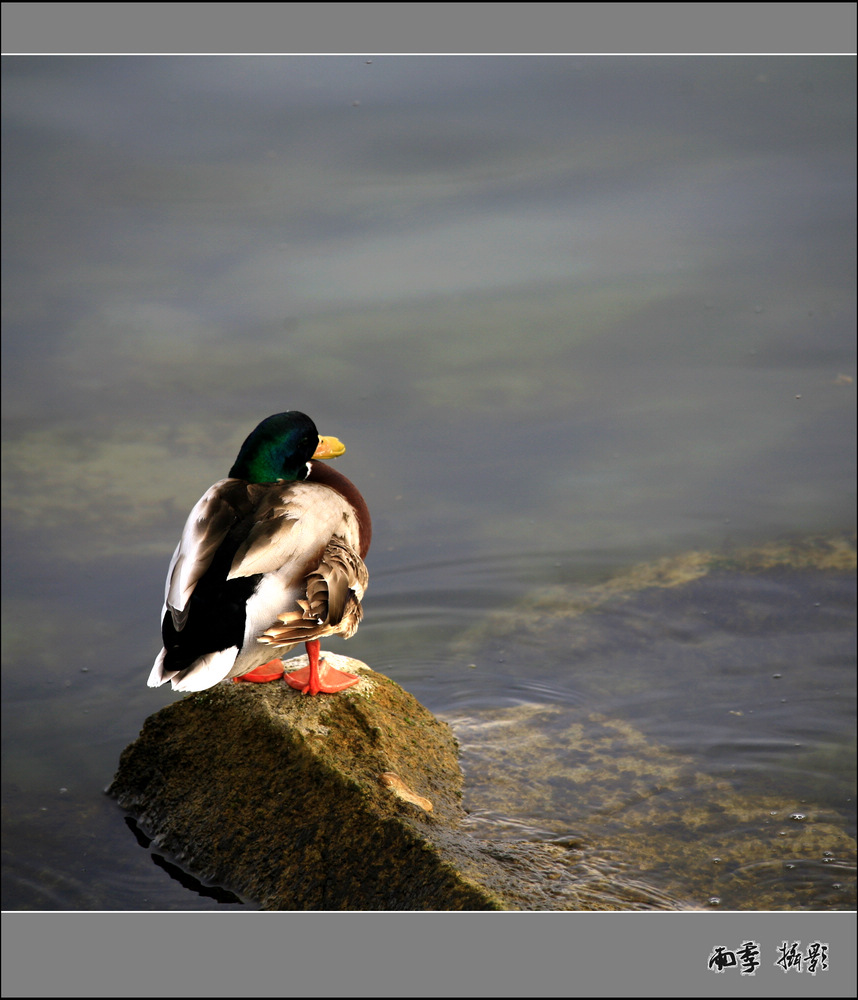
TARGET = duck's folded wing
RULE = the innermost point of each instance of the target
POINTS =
(292, 526)
(207, 526)
(332, 601)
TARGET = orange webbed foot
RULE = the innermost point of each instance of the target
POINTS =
(270, 671)
(319, 677)
(328, 680)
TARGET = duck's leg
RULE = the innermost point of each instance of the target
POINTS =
(319, 676)
(269, 671)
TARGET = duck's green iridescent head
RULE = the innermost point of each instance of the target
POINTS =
(280, 448)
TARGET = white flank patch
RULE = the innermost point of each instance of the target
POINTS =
(271, 597)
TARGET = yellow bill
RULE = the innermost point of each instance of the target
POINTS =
(329, 447)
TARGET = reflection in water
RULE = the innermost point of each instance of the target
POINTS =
(175, 872)
(194, 885)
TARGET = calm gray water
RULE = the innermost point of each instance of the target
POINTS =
(569, 315)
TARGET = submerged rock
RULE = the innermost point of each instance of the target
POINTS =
(722, 765)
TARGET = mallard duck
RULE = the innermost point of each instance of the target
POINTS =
(269, 557)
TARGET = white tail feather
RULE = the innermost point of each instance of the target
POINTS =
(207, 671)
